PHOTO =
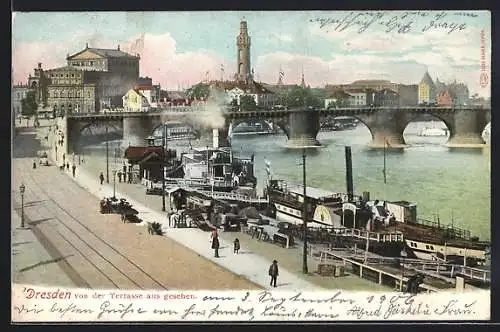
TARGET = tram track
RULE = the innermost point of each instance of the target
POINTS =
(119, 270)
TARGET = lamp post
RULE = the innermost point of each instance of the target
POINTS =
(107, 150)
(164, 143)
(22, 188)
(114, 183)
(304, 212)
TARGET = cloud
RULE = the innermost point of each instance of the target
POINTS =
(285, 38)
(399, 58)
(160, 59)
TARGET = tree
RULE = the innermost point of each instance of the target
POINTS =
(301, 96)
(247, 103)
(199, 91)
(341, 99)
(29, 105)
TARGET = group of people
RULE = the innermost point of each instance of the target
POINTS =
(125, 175)
(122, 174)
(66, 165)
(273, 269)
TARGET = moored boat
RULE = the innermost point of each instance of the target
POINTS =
(433, 132)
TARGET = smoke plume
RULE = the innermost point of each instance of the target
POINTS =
(212, 115)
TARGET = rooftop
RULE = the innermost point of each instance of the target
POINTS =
(252, 87)
(105, 52)
(136, 153)
(371, 82)
(427, 79)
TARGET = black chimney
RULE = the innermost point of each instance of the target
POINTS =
(348, 173)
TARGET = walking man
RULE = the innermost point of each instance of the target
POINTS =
(67, 166)
(273, 272)
(124, 172)
(119, 176)
(236, 245)
(215, 243)
(101, 177)
(74, 170)
(129, 177)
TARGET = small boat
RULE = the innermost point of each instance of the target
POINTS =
(433, 132)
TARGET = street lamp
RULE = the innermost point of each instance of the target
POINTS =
(107, 149)
(114, 183)
(22, 188)
(164, 143)
(304, 212)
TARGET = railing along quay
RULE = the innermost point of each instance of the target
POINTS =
(434, 269)
(382, 272)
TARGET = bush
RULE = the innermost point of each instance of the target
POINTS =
(155, 228)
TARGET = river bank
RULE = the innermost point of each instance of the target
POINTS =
(104, 252)
(289, 259)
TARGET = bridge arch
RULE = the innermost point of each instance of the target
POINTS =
(444, 127)
(264, 124)
(324, 122)
(194, 130)
(94, 128)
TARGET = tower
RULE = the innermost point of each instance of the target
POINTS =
(243, 45)
(303, 81)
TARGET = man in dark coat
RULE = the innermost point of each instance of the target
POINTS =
(101, 177)
(74, 170)
(215, 244)
(274, 272)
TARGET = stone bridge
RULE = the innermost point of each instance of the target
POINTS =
(301, 125)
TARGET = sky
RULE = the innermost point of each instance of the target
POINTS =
(179, 49)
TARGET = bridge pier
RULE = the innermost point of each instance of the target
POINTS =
(303, 127)
(467, 129)
(136, 129)
(387, 129)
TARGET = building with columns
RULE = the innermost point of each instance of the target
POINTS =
(93, 79)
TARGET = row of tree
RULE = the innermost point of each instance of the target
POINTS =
(294, 97)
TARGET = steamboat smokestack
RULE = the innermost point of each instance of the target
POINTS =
(348, 173)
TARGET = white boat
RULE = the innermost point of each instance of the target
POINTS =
(433, 132)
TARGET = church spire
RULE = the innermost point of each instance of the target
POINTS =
(303, 81)
(281, 75)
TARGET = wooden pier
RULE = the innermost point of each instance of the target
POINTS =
(383, 273)
(393, 268)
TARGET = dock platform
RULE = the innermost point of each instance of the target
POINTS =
(439, 276)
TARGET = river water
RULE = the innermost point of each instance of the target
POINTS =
(454, 184)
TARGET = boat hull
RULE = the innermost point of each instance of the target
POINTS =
(430, 251)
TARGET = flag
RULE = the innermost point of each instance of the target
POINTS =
(222, 68)
(282, 74)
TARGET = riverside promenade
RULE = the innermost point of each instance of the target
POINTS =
(93, 250)
(246, 264)
(99, 251)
